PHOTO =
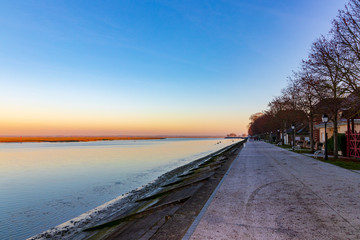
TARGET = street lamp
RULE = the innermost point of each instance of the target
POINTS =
(325, 120)
(293, 128)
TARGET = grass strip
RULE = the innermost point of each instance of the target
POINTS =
(351, 164)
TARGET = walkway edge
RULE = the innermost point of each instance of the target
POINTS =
(193, 226)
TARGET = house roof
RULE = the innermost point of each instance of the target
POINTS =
(342, 122)
(351, 107)
(300, 129)
(304, 130)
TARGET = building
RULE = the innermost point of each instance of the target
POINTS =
(301, 136)
(342, 128)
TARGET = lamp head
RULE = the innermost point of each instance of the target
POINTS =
(325, 118)
(293, 126)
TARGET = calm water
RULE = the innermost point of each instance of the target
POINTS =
(45, 184)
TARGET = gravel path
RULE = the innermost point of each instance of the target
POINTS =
(272, 193)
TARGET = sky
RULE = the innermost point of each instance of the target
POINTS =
(163, 67)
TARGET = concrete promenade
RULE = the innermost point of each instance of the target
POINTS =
(272, 193)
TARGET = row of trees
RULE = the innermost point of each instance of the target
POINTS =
(328, 76)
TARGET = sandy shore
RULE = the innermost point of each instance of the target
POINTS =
(73, 229)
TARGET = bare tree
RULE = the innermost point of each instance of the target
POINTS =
(323, 65)
(305, 86)
(346, 33)
(286, 110)
(331, 73)
(261, 123)
(277, 107)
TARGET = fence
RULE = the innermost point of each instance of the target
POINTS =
(353, 144)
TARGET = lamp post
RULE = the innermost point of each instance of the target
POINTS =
(325, 120)
(278, 136)
(293, 128)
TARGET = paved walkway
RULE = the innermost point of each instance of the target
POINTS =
(272, 193)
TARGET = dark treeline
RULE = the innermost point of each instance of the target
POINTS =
(328, 78)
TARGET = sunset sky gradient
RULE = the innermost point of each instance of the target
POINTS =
(149, 67)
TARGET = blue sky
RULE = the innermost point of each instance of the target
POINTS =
(149, 67)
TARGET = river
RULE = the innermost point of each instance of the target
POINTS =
(45, 184)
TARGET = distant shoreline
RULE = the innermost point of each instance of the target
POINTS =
(70, 139)
(21, 139)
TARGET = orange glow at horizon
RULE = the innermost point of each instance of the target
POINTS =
(122, 126)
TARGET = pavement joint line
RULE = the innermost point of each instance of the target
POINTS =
(315, 202)
(196, 222)
(309, 188)
(355, 171)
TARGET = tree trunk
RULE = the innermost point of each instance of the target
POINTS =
(282, 134)
(335, 137)
(311, 128)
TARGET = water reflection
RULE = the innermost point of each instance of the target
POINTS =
(45, 184)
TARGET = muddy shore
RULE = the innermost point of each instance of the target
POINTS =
(183, 190)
